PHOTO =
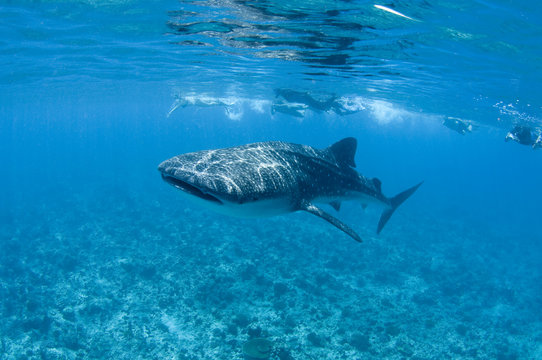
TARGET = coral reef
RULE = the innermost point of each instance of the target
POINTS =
(133, 277)
(258, 348)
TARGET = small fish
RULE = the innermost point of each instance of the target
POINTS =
(393, 12)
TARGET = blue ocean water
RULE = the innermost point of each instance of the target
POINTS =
(99, 258)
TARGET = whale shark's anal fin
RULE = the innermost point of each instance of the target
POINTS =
(315, 210)
(336, 205)
(394, 204)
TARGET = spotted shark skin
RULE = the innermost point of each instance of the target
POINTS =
(273, 178)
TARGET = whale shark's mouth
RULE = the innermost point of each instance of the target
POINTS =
(190, 189)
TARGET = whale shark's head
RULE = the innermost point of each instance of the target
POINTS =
(191, 188)
(226, 182)
(184, 173)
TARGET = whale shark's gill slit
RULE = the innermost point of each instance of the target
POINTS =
(191, 189)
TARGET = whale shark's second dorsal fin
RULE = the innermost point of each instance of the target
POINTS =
(345, 151)
(378, 184)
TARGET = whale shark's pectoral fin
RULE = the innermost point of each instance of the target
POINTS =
(315, 210)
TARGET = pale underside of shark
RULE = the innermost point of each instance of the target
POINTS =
(273, 178)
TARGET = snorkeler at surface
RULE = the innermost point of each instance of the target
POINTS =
(524, 135)
(457, 125)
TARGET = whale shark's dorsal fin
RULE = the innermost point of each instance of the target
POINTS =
(315, 210)
(345, 151)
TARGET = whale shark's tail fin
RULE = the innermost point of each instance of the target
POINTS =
(394, 203)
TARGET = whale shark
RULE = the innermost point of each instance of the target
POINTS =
(272, 178)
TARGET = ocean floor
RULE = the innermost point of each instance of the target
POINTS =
(116, 275)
